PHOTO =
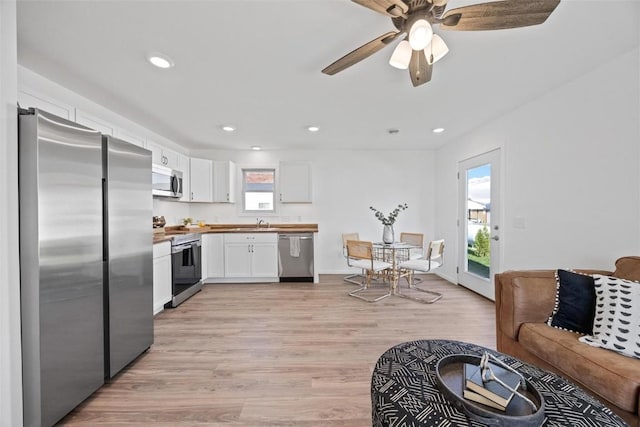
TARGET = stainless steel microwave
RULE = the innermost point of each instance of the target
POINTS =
(166, 182)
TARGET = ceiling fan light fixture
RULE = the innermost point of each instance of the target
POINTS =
(420, 34)
(401, 56)
(438, 48)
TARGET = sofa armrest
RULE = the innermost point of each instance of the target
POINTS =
(525, 297)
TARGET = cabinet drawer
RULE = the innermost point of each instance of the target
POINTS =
(161, 249)
(251, 238)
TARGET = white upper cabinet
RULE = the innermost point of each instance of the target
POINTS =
(295, 182)
(224, 182)
(29, 99)
(185, 168)
(201, 180)
(94, 123)
(163, 156)
(129, 137)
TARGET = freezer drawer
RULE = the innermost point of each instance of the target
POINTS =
(295, 257)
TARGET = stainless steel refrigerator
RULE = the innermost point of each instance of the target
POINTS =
(85, 261)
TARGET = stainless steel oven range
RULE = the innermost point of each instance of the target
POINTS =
(186, 267)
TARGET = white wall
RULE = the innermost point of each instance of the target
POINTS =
(34, 83)
(571, 171)
(173, 212)
(344, 184)
(10, 345)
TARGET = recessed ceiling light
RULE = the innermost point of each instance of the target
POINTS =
(256, 148)
(438, 130)
(160, 60)
(313, 128)
(228, 128)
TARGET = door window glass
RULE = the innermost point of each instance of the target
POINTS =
(479, 220)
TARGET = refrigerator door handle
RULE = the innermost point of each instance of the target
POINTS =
(105, 224)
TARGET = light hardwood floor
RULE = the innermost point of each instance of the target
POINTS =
(276, 355)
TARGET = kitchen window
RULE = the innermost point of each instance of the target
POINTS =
(258, 190)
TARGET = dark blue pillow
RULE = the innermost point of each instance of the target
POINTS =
(575, 302)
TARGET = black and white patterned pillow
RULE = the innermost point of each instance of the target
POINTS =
(616, 325)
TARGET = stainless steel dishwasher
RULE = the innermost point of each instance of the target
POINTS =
(295, 257)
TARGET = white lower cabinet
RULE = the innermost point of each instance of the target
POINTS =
(251, 256)
(212, 256)
(161, 275)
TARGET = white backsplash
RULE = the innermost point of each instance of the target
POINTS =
(173, 212)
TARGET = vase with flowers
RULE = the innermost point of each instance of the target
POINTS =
(388, 221)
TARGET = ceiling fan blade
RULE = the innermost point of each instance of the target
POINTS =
(498, 15)
(361, 53)
(393, 8)
(419, 68)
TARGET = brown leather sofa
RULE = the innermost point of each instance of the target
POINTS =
(524, 301)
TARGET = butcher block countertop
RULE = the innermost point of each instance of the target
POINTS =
(162, 236)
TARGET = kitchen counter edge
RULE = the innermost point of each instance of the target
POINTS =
(233, 228)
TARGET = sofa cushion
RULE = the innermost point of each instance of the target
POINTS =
(617, 322)
(611, 375)
(628, 268)
(575, 302)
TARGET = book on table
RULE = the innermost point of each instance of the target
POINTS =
(472, 395)
(491, 390)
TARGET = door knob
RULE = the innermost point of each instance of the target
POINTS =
(496, 238)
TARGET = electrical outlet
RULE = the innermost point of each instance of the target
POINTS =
(286, 219)
(299, 218)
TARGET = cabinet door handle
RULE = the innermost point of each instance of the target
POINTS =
(192, 195)
(280, 196)
(227, 197)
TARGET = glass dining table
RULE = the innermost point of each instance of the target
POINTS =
(395, 253)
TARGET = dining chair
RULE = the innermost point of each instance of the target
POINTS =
(360, 255)
(355, 279)
(414, 239)
(433, 259)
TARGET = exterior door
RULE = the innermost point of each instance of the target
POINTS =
(479, 222)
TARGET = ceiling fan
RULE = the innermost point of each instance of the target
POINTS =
(421, 48)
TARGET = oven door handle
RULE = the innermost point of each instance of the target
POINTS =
(182, 247)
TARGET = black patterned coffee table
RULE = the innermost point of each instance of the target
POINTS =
(404, 392)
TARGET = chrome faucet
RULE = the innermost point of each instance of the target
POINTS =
(259, 222)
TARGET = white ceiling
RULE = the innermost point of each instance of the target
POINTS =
(256, 64)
